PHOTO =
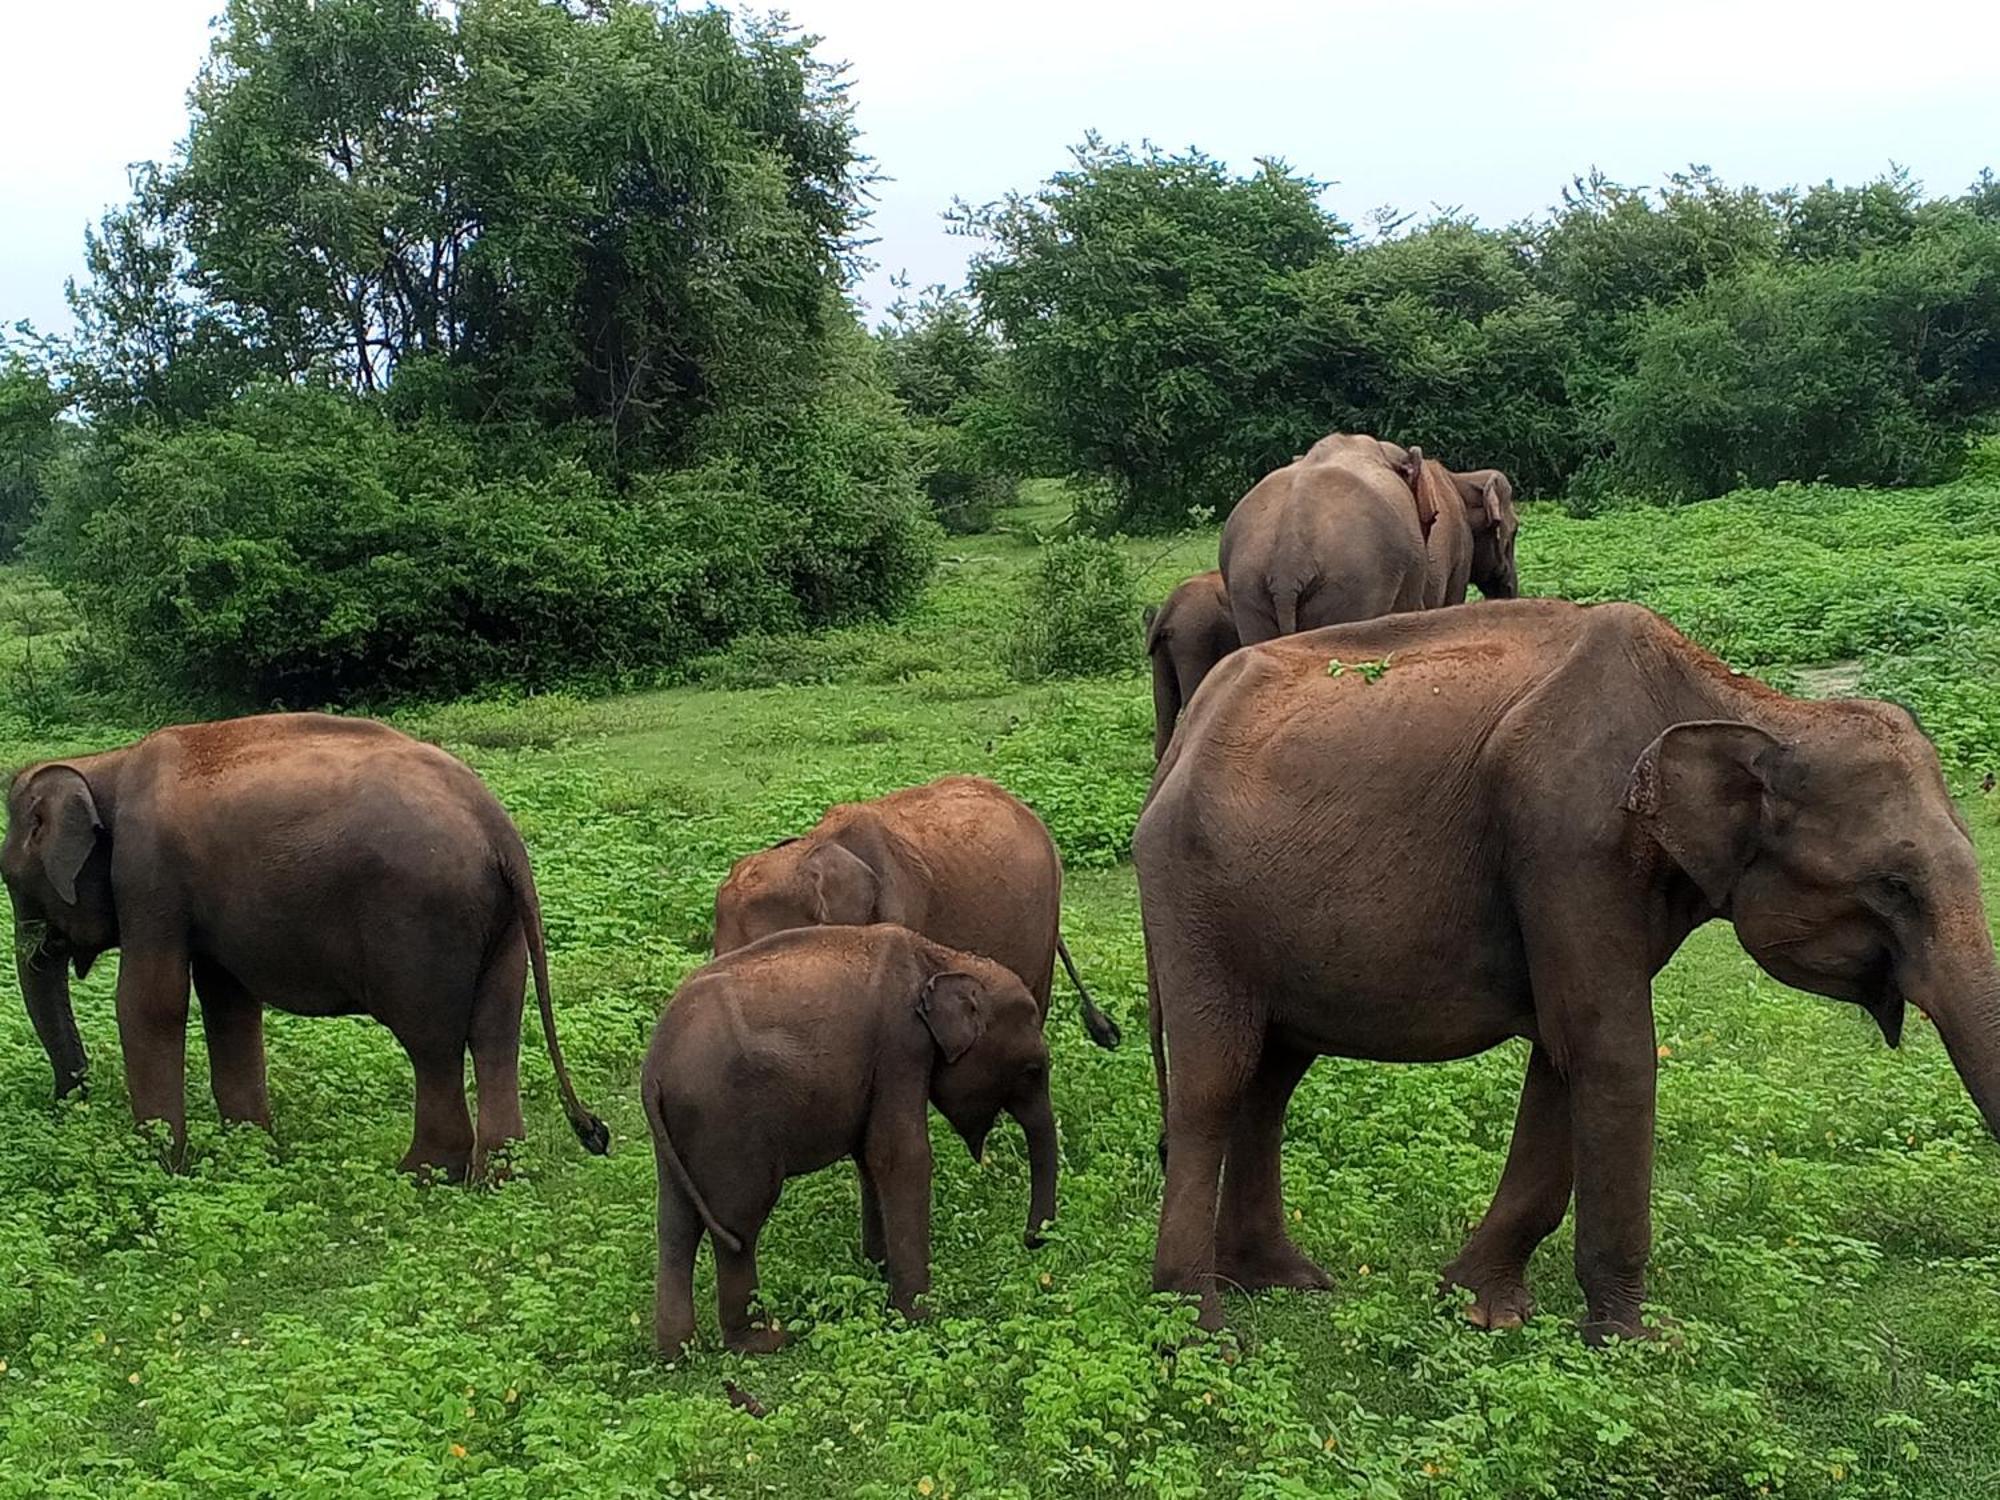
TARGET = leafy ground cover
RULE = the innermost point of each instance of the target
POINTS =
(293, 1318)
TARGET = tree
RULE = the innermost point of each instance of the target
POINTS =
(1149, 302)
(31, 434)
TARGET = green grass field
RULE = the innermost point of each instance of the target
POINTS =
(294, 1318)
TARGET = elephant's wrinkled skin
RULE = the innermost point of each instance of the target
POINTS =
(1185, 637)
(322, 865)
(1359, 528)
(784, 1056)
(1507, 835)
(959, 860)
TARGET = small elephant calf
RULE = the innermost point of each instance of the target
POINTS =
(806, 1046)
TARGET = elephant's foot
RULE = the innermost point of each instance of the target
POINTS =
(1598, 1331)
(1500, 1297)
(756, 1340)
(1271, 1262)
(436, 1166)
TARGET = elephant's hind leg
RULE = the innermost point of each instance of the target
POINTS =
(1209, 1048)
(443, 1138)
(496, 1052)
(1533, 1195)
(233, 1022)
(1252, 1249)
(673, 1292)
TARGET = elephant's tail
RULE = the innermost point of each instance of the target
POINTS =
(656, 1117)
(594, 1134)
(1285, 605)
(1103, 1030)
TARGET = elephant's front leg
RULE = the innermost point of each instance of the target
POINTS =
(233, 1022)
(1532, 1198)
(1252, 1249)
(1611, 1119)
(152, 1031)
(896, 1157)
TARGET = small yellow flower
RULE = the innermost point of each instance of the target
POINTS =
(1665, 1052)
(133, 1378)
(1047, 1280)
(458, 1450)
(749, 1458)
(1364, 1271)
(1208, 1398)
(925, 1486)
(512, 1395)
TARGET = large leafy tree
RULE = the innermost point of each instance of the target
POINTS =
(1151, 301)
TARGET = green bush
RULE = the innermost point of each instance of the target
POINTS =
(303, 549)
(1079, 614)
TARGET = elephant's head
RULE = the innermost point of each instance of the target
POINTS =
(1489, 508)
(992, 1057)
(57, 865)
(1835, 849)
(808, 882)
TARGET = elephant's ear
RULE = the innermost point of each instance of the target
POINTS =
(1702, 791)
(949, 1006)
(1492, 501)
(63, 827)
(845, 890)
(1418, 477)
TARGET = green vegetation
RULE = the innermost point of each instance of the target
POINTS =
(1175, 332)
(293, 1317)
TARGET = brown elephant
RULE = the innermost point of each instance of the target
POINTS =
(323, 865)
(809, 1045)
(1185, 637)
(1360, 528)
(1507, 834)
(959, 860)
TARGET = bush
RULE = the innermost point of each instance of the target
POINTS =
(1845, 371)
(1079, 615)
(302, 549)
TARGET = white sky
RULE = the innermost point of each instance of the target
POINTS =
(1487, 105)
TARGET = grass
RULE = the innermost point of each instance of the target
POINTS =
(294, 1318)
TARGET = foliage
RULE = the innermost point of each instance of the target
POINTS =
(302, 549)
(30, 438)
(1079, 614)
(1179, 332)
(947, 370)
(1149, 303)
(300, 1319)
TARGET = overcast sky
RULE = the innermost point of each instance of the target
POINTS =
(1490, 107)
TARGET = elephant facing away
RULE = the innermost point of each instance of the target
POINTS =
(1507, 834)
(1185, 637)
(960, 860)
(322, 865)
(1358, 528)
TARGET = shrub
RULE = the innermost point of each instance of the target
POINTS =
(302, 549)
(1079, 614)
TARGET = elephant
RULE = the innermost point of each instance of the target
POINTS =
(1185, 637)
(1507, 833)
(1359, 528)
(783, 1056)
(323, 865)
(959, 860)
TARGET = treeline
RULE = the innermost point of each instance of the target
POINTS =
(1170, 332)
(510, 341)
(493, 341)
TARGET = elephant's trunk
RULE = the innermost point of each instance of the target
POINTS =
(1961, 994)
(1038, 1123)
(45, 988)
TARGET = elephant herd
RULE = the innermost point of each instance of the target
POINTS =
(1383, 825)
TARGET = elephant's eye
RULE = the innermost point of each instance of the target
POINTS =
(1897, 890)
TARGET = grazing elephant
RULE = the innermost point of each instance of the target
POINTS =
(322, 865)
(1360, 528)
(1507, 834)
(959, 860)
(1185, 637)
(810, 1045)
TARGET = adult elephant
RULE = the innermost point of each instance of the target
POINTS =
(326, 866)
(1507, 833)
(1185, 637)
(1358, 528)
(960, 860)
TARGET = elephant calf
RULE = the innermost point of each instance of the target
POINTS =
(960, 860)
(784, 1056)
(323, 865)
(1186, 637)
